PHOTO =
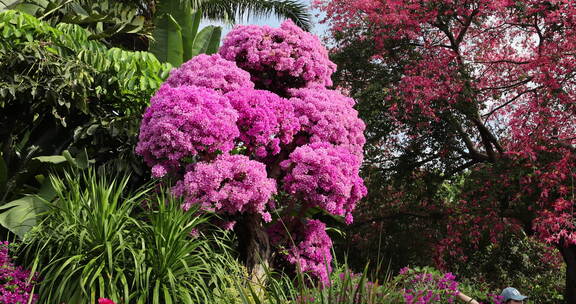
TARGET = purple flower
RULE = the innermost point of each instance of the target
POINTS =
(183, 122)
(422, 286)
(266, 120)
(279, 58)
(308, 248)
(326, 176)
(105, 301)
(328, 116)
(210, 71)
(231, 184)
(14, 286)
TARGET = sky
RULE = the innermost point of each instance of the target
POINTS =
(317, 29)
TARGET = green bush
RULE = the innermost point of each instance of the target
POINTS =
(60, 91)
(519, 261)
(95, 241)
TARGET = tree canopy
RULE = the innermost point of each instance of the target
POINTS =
(485, 90)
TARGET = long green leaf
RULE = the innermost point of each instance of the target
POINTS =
(21, 214)
(207, 41)
(190, 32)
(167, 45)
(53, 159)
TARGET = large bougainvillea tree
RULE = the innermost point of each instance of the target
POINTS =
(486, 89)
(254, 135)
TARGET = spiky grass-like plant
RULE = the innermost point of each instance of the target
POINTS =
(84, 248)
(96, 241)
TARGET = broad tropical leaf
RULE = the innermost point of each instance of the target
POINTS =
(207, 40)
(168, 44)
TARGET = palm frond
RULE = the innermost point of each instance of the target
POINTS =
(230, 11)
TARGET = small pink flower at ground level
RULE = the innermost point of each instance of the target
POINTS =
(266, 120)
(14, 286)
(183, 122)
(210, 71)
(427, 287)
(105, 301)
(231, 184)
(326, 176)
(328, 116)
(279, 58)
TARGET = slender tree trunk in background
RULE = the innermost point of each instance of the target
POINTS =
(569, 255)
(254, 247)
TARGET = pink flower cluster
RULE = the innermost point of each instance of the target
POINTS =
(14, 286)
(328, 116)
(279, 58)
(265, 120)
(210, 71)
(230, 184)
(422, 287)
(326, 176)
(312, 252)
(183, 122)
(308, 247)
(209, 109)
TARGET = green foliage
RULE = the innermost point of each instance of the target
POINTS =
(21, 214)
(176, 35)
(103, 19)
(345, 287)
(94, 241)
(60, 90)
(177, 258)
(83, 248)
(520, 261)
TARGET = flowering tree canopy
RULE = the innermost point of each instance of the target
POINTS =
(254, 135)
(210, 71)
(175, 127)
(486, 90)
(279, 58)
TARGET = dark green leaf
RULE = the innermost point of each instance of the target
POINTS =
(207, 41)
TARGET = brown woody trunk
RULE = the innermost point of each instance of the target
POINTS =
(253, 247)
(569, 255)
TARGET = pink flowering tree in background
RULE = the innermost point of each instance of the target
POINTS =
(254, 135)
(486, 90)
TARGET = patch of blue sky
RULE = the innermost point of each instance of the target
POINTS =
(318, 29)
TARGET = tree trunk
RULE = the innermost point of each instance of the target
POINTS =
(253, 247)
(569, 255)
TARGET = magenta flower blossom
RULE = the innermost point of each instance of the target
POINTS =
(328, 116)
(105, 301)
(308, 247)
(183, 122)
(279, 58)
(422, 286)
(263, 98)
(210, 71)
(231, 184)
(266, 120)
(326, 176)
(14, 286)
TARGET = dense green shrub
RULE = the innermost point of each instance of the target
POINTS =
(96, 241)
(520, 261)
(59, 90)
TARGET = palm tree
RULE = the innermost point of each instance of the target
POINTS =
(230, 10)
